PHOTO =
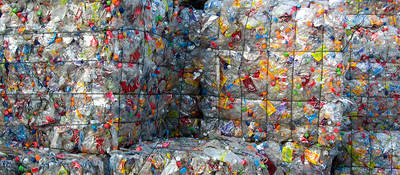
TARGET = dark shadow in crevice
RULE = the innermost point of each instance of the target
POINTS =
(335, 165)
(196, 4)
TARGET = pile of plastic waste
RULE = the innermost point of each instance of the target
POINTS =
(237, 87)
